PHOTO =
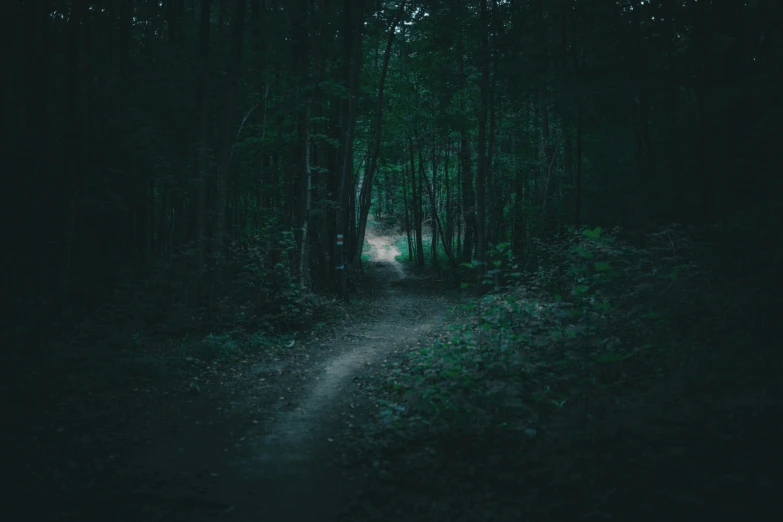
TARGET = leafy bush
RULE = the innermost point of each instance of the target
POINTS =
(604, 336)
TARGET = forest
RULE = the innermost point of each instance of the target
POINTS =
(566, 210)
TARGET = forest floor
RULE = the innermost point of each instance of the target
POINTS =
(418, 403)
(257, 437)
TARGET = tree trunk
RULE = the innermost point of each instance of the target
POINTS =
(449, 217)
(433, 206)
(366, 195)
(305, 187)
(75, 140)
(353, 12)
(494, 205)
(228, 116)
(481, 173)
(519, 229)
(202, 97)
(468, 205)
(549, 159)
(466, 182)
(578, 181)
(460, 207)
(416, 207)
(407, 221)
(446, 246)
(303, 181)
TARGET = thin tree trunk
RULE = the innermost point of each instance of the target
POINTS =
(264, 199)
(305, 183)
(420, 210)
(416, 204)
(549, 158)
(407, 221)
(449, 216)
(518, 230)
(466, 185)
(229, 113)
(75, 174)
(468, 198)
(366, 196)
(460, 207)
(304, 173)
(481, 173)
(202, 97)
(578, 183)
(494, 207)
(352, 53)
(446, 246)
(433, 207)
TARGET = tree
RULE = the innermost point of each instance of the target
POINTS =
(366, 194)
(214, 149)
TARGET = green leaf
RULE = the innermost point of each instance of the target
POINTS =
(593, 234)
(601, 266)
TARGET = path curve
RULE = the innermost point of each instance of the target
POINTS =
(292, 459)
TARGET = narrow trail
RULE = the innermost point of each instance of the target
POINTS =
(261, 442)
(292, 458)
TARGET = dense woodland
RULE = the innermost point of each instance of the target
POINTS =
(597, 179)
(178, 153)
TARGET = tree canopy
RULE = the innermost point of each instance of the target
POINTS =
(175, 153)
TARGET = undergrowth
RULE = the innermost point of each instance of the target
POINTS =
(402, 245)
(608, 382)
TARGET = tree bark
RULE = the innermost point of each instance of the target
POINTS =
(449, 200)
(353, 12)
(302, 181)
(481, 173)
(407, 220)
(202, 97)
(446, 247)
(228, 116)
(74, 150)
(494, 205)
(366, 196)
(433, 207)
(416, 207)
(578, 181)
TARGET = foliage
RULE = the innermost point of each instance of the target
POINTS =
(560, 359)
(582, 112)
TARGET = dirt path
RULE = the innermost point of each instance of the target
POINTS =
(261, 439)
(293, 457)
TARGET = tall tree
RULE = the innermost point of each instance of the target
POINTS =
(228, 120)
(353, 14)
(482, 170)
(366, 196)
